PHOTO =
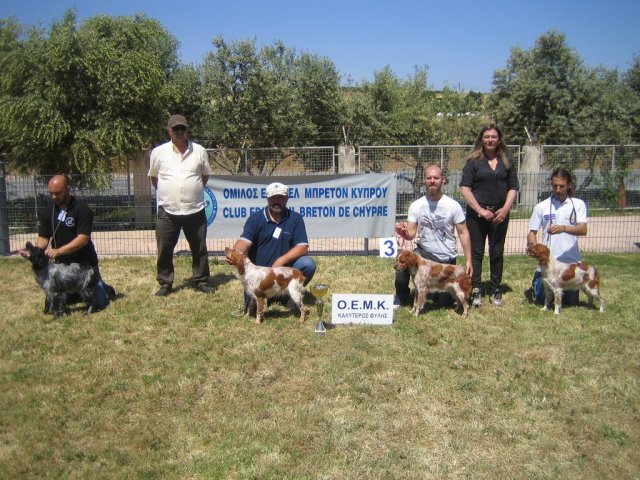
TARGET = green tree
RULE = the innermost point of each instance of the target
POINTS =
(459, 116)
(390, 110)
(632, 77)
(632, 80)
(79, 99)
(604, 113)
(316, 86)
(11, 53)
(539, 90)
(363, 123)
(186, 97)
(550, 93)
(269, 97)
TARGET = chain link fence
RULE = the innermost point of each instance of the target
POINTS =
(265, 162)
(607, 178)
(408, 162)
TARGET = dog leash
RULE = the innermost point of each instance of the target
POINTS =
(547, 235)
(54, 227)
(403, 243)
(572, 217)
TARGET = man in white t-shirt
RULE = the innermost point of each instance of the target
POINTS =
(179, 171)
(433, 221)
(561, 218)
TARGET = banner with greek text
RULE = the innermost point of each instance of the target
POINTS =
(333, 206)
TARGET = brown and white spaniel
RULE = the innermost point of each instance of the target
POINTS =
(558, 276)
(429, 276)
(261, 283)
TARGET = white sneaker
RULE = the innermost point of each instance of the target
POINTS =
(496, 297)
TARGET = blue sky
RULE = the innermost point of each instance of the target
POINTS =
(461, 42)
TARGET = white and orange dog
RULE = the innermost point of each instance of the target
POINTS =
(558, 276)
(429, 276)
(262, 283)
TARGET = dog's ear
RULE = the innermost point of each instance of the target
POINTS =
(533, 250)
(545, 253)
(29, 246)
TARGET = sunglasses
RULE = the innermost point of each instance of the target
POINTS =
(179, 128)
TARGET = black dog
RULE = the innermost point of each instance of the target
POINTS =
(59, 280)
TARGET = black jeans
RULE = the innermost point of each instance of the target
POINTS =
(168, 229)
(403, 291)
(479, 230)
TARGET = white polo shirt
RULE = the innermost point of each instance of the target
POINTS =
(180, 190)
(563, 246)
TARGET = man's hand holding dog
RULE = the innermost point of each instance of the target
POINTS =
(406, 230)
(401, 229)
(52, 253)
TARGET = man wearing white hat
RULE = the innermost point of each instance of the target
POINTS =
(276, 235)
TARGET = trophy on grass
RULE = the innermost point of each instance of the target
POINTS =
(319, 290)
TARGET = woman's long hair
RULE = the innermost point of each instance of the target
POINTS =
(501, 149)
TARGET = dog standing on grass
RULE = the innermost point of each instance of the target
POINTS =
(558, 276)
(261, 283)
(429, 276)
(59, 280)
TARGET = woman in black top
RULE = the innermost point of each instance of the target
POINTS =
(489, 185)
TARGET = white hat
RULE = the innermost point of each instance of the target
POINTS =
(277, 189)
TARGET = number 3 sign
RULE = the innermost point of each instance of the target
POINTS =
(388, 247)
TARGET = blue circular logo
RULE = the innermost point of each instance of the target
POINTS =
(210, 205)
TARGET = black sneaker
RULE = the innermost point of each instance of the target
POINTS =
(111, 292)
(476, 297)
(496, 297)
(204, 288)
(163, 291)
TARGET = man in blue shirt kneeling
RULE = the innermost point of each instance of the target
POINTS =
(276, 235)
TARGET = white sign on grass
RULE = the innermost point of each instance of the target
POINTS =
(362, 309)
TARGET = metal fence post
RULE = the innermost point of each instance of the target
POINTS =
(5, 247)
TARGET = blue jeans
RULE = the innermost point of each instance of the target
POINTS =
(569, 297)
(100, 296)
(307, 266)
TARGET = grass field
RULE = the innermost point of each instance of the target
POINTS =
(180, 388)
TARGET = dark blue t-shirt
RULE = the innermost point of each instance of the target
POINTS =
(270, 240)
